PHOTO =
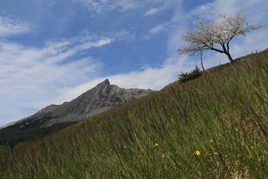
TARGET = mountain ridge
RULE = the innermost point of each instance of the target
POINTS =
(101, 98)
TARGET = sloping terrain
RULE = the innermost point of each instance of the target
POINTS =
(211, 127)
(55, 117)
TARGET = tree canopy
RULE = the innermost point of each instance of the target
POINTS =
(217, 36)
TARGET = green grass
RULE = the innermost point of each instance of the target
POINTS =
(4, 151)
(223, 114)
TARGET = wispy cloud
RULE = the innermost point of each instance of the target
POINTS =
(30, 76)
(255, 10)
(11, 27)
(159, 28)
(123, 5)
(153, 11)
(149, 78)
(106, 5)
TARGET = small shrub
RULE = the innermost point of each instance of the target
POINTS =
(184, 77)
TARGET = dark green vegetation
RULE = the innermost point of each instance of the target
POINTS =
(211, 127)
(11, 136)
(184, 77)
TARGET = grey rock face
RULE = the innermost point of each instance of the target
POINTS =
(99, 99)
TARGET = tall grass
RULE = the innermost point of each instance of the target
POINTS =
(211, 127)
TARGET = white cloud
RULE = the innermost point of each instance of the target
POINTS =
(148, 78)
(103, 5)
(255, 10)
(11, 27)
(30, 76)
(158, 29)
(100, 6)
(153, 11)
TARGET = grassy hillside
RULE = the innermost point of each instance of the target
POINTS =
(211, 127)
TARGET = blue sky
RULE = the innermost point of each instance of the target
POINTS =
(52, 51)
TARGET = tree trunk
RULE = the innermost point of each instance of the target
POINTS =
(229, 57)
(201, 59)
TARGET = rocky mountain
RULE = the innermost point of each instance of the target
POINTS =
(54, 117)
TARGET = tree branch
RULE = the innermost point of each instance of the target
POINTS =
(217, 50)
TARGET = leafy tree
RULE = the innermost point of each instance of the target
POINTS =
(217, 36)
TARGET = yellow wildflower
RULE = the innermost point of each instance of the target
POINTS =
(197, 153)
(211, 141)
(156, 145)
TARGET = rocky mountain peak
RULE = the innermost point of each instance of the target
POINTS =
(101, 88)
(104, 83)
(101, 98)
